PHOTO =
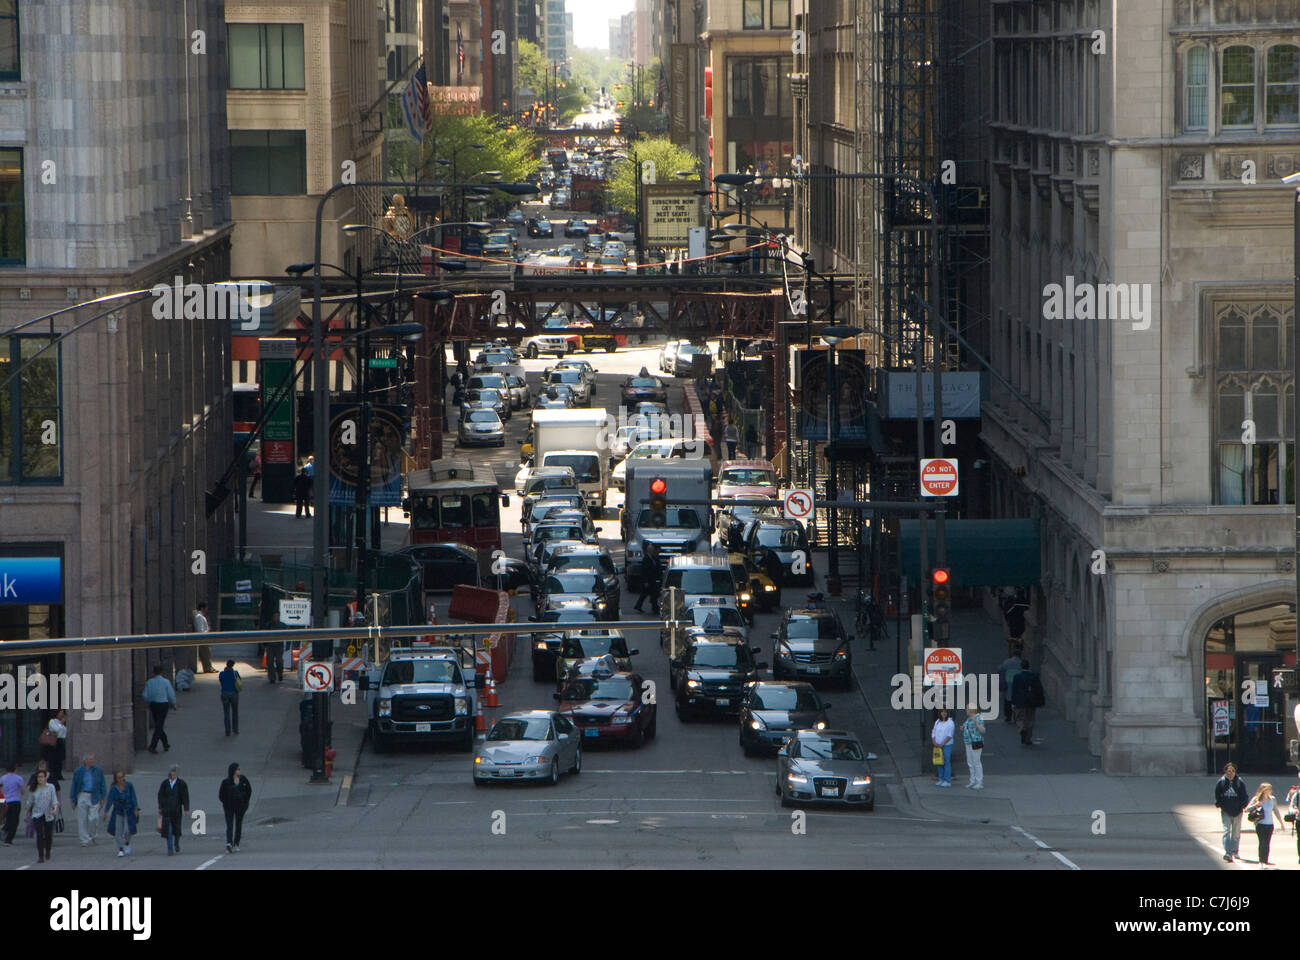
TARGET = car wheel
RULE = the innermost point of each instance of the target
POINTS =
(682, 715)
(847, 682)
(577, 762)
(786, 801)
(555, 771)
(479, 782)
(869, 805)
(638, 738)
(379, 742)
(532, 351)
(611, 348)
(539, 675)
(749, 751)
(467, 741)
(651, 727)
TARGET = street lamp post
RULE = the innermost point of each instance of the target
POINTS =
(832, 336)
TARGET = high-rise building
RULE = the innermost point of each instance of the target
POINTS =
(557, 32)
(617, 39)
(530, 21)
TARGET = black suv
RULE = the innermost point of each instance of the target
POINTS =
(711, 674)
(772, 712)
(812, 645)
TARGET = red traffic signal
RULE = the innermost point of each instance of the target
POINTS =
(659, 486)
(939, 575)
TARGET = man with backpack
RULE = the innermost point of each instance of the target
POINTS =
(1026, 697)
(1231, 797)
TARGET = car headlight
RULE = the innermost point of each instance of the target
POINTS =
(745, 597)
(784, 652)
(479, 760)
(541, 644)
(861, 781)
(756, 724)
(692, 683)
(770, 587)
(821, 724)
(385, 708)
(841, 654)
(462, 705)
(537, 759)
(620, 718)
(796, 778)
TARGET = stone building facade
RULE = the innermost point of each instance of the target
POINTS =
(1141, 144)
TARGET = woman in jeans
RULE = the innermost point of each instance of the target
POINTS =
(44, 810)
(234, 794)
(124, 813)
(1264, 802)
(972, 733)
(941, 736)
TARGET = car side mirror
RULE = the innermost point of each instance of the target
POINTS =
(564, 736)
(533, 620)
(776, 636)
(633, 652)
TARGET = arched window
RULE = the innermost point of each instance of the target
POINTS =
(1282, 86)
(1237, 87)
(1196, 88)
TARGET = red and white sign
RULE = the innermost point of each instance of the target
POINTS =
(942, 665)
(318, 677)
(798, 504)
(938, 477)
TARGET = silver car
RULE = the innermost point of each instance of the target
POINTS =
(824, 766)
(480, 425)
(573, 378)
(529, 745)
(521, 396)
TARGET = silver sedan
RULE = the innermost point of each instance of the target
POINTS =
(480, 425)
(529, 745)
(824, 766)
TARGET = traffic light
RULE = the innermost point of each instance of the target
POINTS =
(618, 126)
(658, 502)
(940, 602)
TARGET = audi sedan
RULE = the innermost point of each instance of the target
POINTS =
(529, 745)
(824, 766)
(772, 712)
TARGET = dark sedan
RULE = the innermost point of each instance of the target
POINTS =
(541, 228)
(824, 766)
(610, 708)
(711, 674)
(812, 645)
(445, 564)
(771, 713)
(644, 388)
(576, 228)
(514, 575)
(602, 591)
(779, 548)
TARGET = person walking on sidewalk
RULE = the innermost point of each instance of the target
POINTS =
(231, 684)
(54, 754)
(124, 812)
(649, 578)
(173, 804)
(12, 785)
(234, 794)
(302, 493)
(88, 793)
(972, 735)
(1262, 811)
(941, 736)
(1008, 669)
(257, 475)
(161, 696)
(201, 625)
(1230, 796)
(43, 808)
(1026, 697)
(731, 437)
(274, 662)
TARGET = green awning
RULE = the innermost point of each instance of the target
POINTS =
(980, 553)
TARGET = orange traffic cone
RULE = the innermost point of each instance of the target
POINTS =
(492, 700)
(480, 724)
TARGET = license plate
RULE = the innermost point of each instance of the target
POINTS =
(591, 732)
(813, 669)
(724, 703)
(830, 792)
(423, 727)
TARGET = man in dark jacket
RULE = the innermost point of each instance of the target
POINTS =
(651, 577)
(235, 794)
(1026, 698)
(1231, 796)
(173, 804)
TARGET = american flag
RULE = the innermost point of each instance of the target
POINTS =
(415, 105)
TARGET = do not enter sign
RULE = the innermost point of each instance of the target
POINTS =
(942, 665)
(938, 477)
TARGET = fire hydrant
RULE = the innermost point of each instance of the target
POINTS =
(329, 761)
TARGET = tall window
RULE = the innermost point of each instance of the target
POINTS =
(9, 63)
(268, 162)
(760, 118)
(1282, 86)
(13, 225)
(31, 422)
(1237, 87)
(780, 14)
(1196, 89)
(266, 56)
(753, 13)
(1254, 385)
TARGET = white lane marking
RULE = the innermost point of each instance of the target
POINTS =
(602, 821)
(1043, 846)
(650, 799)
(449, 803)
(208, 863)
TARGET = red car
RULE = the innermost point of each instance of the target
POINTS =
(609, 707)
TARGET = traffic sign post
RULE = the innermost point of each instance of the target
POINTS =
(938, 477)
(318, 677)
(797, 504)
(942, 665)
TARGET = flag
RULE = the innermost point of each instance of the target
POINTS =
(415, 105)
(460, 56)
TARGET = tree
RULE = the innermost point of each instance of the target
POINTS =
(667, 158)
(533, 69)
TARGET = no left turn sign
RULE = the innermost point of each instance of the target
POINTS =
(319, 677)
(938, 477)
(797, 504)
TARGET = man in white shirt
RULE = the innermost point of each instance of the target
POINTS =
(201, 625)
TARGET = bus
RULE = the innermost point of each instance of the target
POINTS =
(456, 501)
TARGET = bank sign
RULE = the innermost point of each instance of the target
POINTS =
(31, 580)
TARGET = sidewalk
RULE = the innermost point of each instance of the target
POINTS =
(1038, 787)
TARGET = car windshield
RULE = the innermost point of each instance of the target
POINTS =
(784, 698)
(537, 484)
(588, 688)
(643, 382)
(585, 466)
(420, 671)
(569, 615)
(559, 532)
(485, 396)
(720, 655)
(483, 416)
(781, 538)
(542, 507)
(651, 450)
(602, 563)
(585, 648)
(521, 728)
(684, 518)
(718, 582)
(829, 748)
(727, 616)
(811, 627)
(690, 348)
(565, 376)
(572, 583)
(748, 477)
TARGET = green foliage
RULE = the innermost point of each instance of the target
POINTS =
(532, 69)
(667, 157)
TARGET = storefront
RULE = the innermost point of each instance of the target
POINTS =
(31, 608)
(1250, 691)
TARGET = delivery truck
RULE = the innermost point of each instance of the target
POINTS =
(579, 439)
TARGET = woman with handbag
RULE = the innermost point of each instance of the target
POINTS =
(941, 736)
(125, 812)
(43, 809)
(972, 735)
(1262, 811)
